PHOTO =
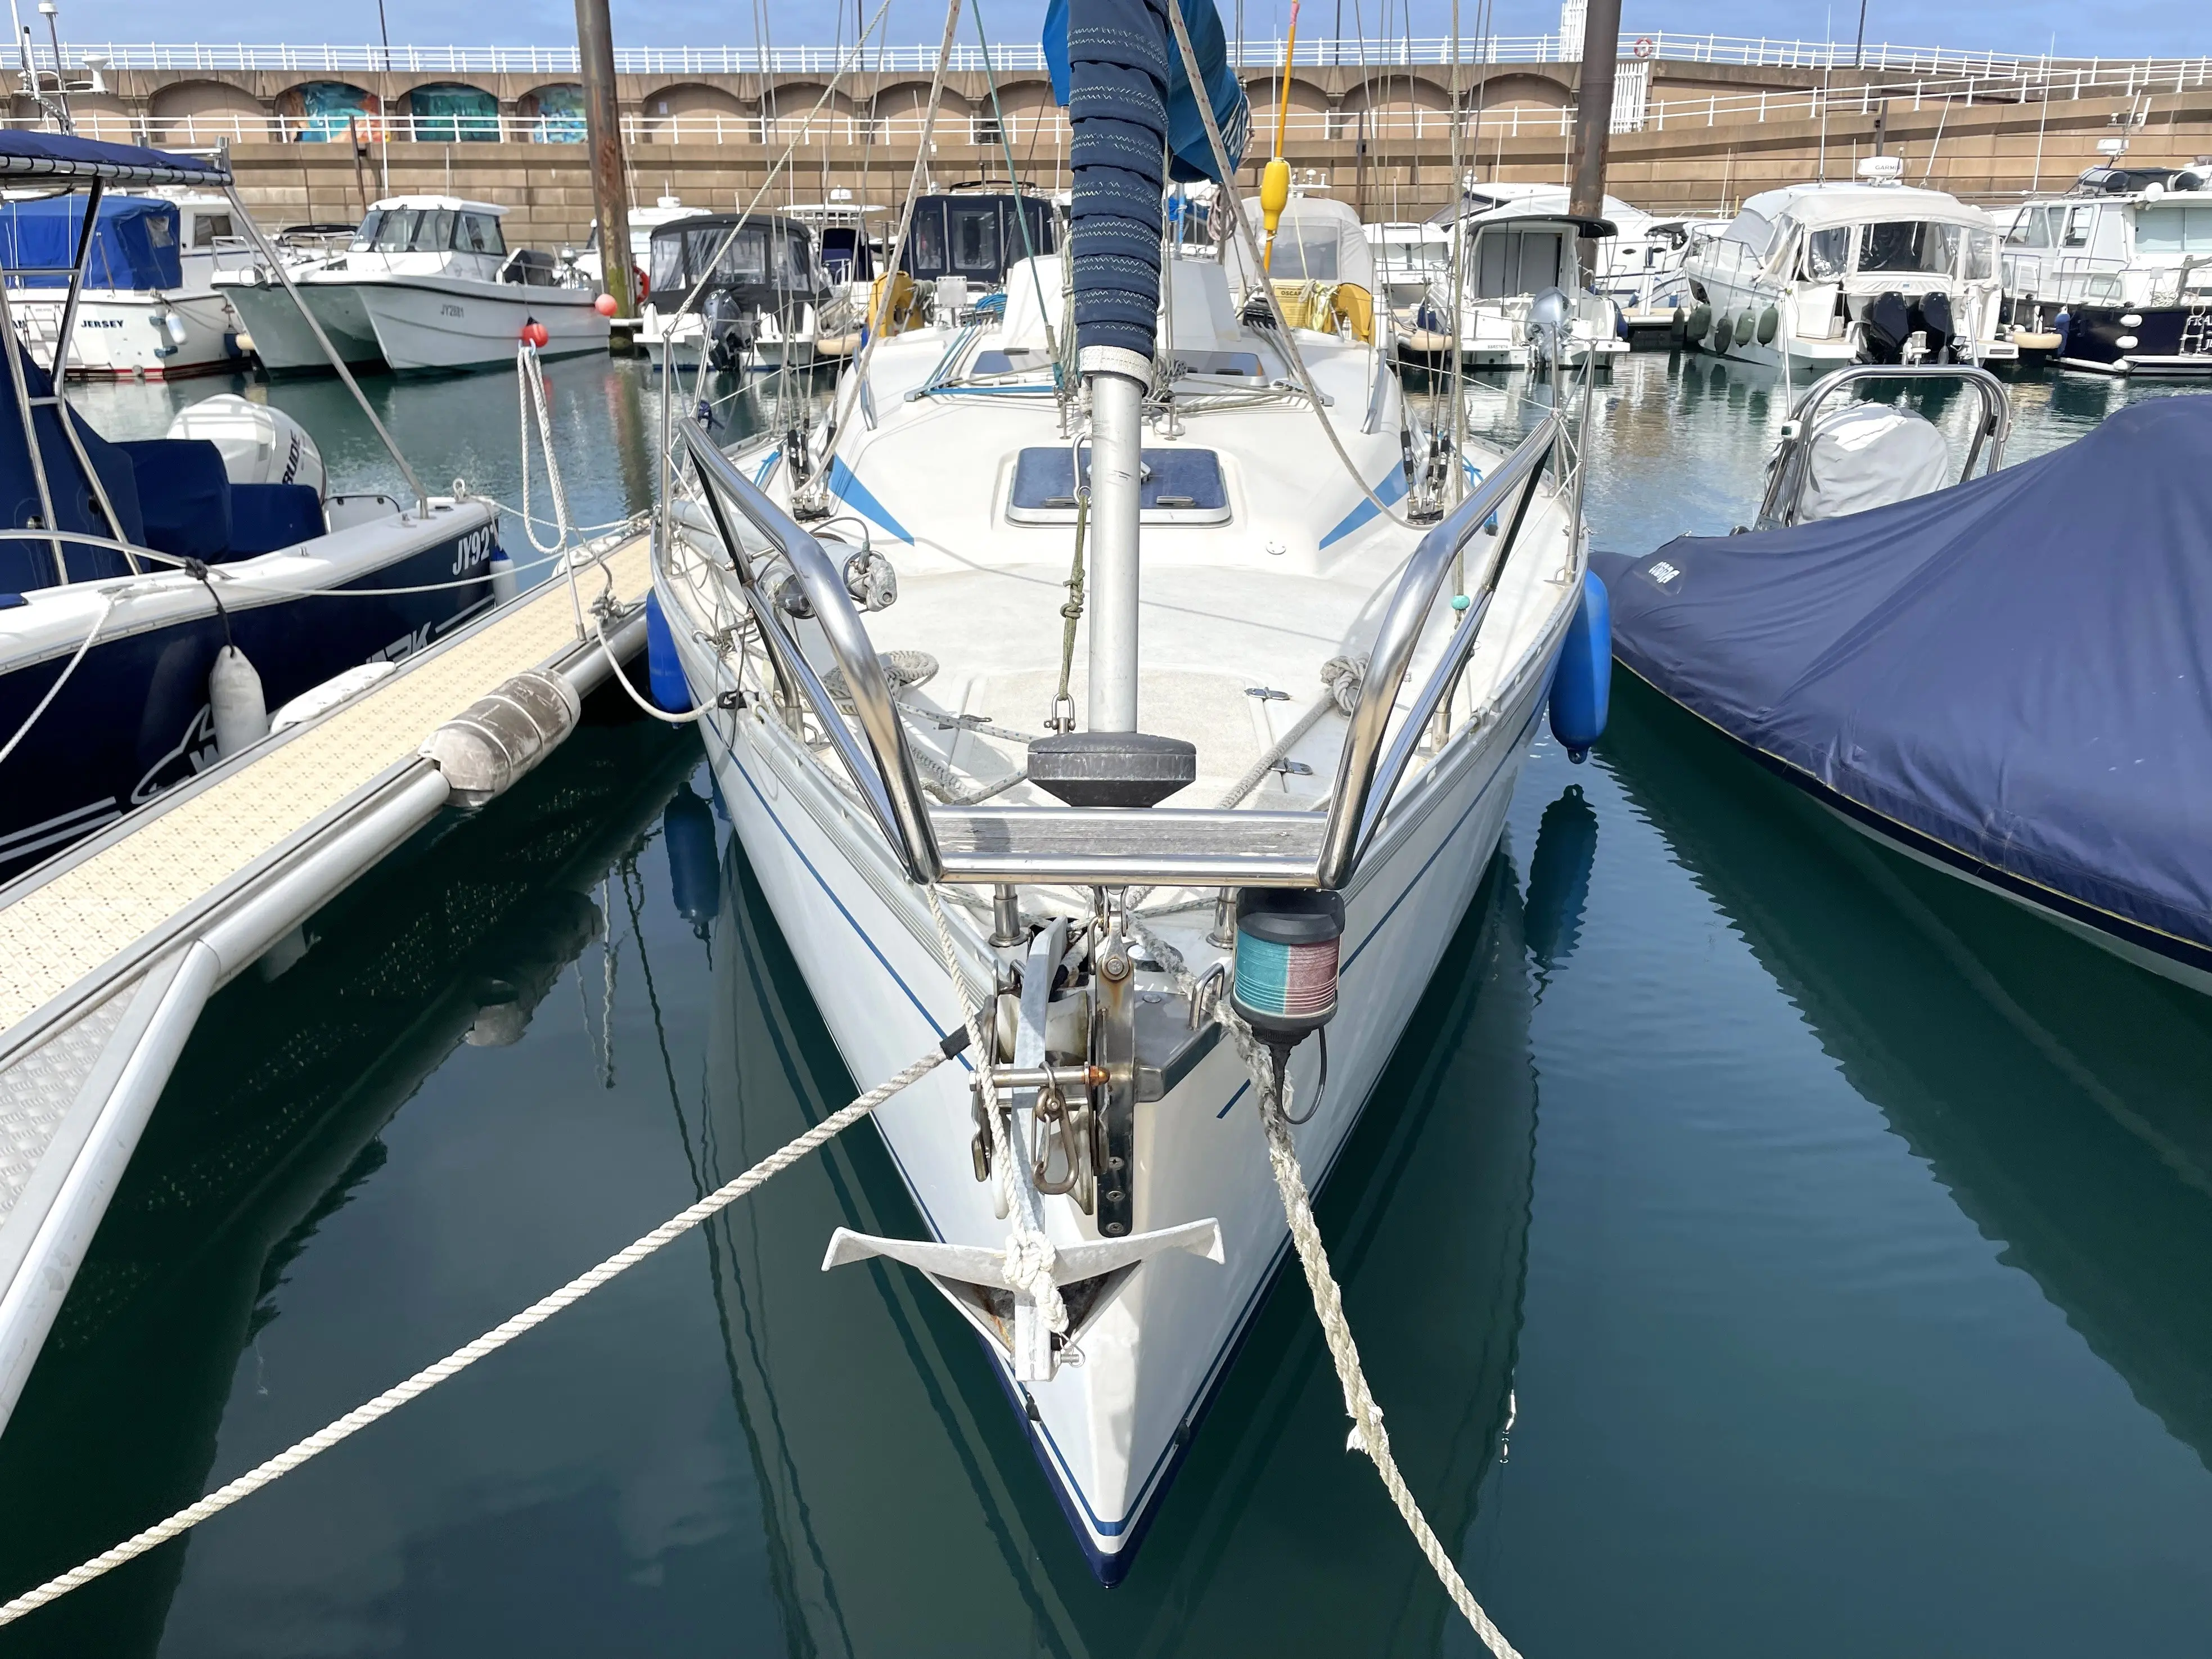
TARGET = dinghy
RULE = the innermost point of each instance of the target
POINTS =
(1091, 664)
(2003, 678)
(159, 598)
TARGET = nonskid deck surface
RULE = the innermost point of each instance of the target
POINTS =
(89, 944)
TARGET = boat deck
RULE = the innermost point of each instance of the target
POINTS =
(108, 951)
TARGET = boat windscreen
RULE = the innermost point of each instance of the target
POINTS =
(1909, 246)
(1304, 254)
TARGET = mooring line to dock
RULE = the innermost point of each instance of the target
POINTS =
(490, 1342)
(1368, 1434)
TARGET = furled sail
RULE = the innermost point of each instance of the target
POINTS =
(1134, 122)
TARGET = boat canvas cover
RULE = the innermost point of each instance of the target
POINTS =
(134, 245)
(2018, 668)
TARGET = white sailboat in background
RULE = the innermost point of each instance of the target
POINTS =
(1301, 724)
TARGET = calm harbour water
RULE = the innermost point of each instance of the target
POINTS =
(1761, 1244)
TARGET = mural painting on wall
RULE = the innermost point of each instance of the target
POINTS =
(560, 115)
(446, 114)
(325, 111)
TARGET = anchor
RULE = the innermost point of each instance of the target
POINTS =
(1006, 1307)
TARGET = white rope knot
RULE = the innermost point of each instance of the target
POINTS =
(1028, 1269)
(1346, 676)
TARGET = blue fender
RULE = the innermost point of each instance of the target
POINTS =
(664, 672)
(695, 869)
(1582, 687)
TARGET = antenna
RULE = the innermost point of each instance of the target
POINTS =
(48, 11)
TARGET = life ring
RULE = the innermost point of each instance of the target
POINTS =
(1645, 45)
(644, 283)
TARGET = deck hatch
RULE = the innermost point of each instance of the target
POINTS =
(1181, 486)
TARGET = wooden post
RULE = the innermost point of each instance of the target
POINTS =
(595, 49)
(1594, 114)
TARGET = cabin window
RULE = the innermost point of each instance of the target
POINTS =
(2174, 228)
(975, 238)
(206, 227)
(1503, 262)
(745, 260)
(480, 234)
(161, 230)
(1981, 255)
(667, 267)
(925, 257)
(2080, 222)
(1908, 245)
(2031, 229)
(365, 238)
(1828, 252)
(1310, 257)
(1754, 230)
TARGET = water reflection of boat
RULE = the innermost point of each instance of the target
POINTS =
(885, 1475)
(2056, 1091)
(271, 1118)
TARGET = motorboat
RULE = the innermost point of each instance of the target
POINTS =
(851, 255)
(1818, 276)
(963, 245)
(731, 292)
(428, 284)
(1281, 703)
(591, 263)
(1638, 267)
(147, 309)
(159, 599)
(1514, 245)
(2116, 275)
(1944, 670)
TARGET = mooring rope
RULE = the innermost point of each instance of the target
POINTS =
(1368, 1434)
(490, 1342)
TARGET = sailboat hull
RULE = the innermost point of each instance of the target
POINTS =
(1110, 1431)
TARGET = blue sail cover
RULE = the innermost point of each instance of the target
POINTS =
(134, 245)
(1133, 118)
(2013, 675)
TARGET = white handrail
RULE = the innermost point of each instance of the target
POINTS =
(1017, 56)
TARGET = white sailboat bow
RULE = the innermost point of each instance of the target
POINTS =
(1308, 662)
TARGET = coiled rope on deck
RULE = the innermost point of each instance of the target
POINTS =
(490, 1342)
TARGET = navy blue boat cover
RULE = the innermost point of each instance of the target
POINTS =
(134, 245)
(25, 154)
(2018, 671)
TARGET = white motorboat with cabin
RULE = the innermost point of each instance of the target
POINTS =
(591, 263)
(428, 284)
(1269, 767)
(1818, 276)
(2116, 275)
(148, 309)
(1515, 245)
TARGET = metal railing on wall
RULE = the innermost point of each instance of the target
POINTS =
(1379, 127)
(1018, 57)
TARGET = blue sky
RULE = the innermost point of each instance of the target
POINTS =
(2134, 27)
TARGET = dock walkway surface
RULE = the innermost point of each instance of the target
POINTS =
(109, 952)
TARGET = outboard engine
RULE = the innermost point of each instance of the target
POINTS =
(1869, 455)
(1885, 326)
(1936, 320)
(730, 325)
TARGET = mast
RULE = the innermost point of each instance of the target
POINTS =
(1117, 152)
